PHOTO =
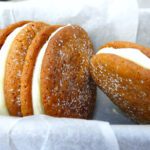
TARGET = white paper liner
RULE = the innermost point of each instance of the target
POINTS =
(132, 137)
(44, 133)
(143, 35)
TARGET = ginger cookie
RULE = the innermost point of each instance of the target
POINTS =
(66, 87)
(121, 70)
(14, 65)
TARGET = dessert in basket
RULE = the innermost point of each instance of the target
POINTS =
(51, 69)
(45, 69)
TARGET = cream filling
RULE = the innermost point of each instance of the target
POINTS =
(3, 59)
(36, 95)
(131, 54)
(36, 87)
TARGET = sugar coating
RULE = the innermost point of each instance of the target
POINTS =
(120, 89)
(70, 93)
(3, 55)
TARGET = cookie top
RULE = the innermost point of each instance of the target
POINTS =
(67, 89)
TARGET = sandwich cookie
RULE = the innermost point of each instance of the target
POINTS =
(62, 85)
(122, 71)
(5, 32)
(16, 48)
(4, 54)
(27, 72)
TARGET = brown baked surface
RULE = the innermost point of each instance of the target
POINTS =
(67, 88)
(14, 66)
(27, 73)
(126, 83)
(5, 32)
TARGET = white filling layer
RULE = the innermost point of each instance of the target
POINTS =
(3, 59)
(131, 54)
(36, 92)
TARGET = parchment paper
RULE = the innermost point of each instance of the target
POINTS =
(105, 21)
